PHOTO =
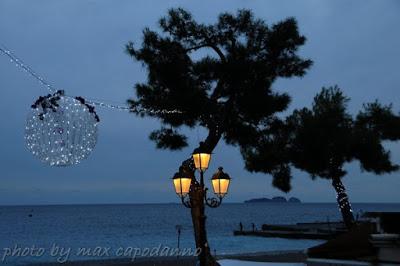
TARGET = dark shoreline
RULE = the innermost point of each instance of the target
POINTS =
(291, 256)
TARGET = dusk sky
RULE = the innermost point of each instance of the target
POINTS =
(78, 45)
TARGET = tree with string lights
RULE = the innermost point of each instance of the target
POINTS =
(321, 139)
(226, 88)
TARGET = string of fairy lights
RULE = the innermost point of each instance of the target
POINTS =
(61, 129)
(27, 69)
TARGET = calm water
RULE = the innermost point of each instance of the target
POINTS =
(151, 225)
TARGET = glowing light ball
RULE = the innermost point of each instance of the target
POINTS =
(61, 130)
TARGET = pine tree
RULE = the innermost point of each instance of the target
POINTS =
(219, 76)
(320, 140)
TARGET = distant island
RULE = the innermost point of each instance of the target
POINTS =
(274, 199)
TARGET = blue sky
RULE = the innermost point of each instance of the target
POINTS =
(78, 45)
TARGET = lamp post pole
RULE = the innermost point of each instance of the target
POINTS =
(193, 195)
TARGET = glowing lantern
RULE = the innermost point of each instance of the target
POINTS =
(201, 159)
(220, 182)
(181, 184)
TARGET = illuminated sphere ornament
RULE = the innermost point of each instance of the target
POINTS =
(61, 130)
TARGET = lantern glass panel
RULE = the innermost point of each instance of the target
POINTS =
(182, 185)
(220, 186)
(201, 160)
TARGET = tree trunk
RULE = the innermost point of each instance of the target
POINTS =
(343, 201)
(197, 202)
(199, 226)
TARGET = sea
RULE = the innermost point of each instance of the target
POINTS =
(59, 233)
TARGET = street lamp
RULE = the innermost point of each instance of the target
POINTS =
(193, 194)
(184, 184)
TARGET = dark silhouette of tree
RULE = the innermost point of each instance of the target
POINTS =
(320, 140)
(219, 76)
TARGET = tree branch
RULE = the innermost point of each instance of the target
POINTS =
(214, 47)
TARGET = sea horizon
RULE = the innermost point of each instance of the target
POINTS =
(179, 203)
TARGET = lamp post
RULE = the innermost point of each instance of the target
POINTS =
(193, 195)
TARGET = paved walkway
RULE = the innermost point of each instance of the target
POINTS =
(251, 263)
